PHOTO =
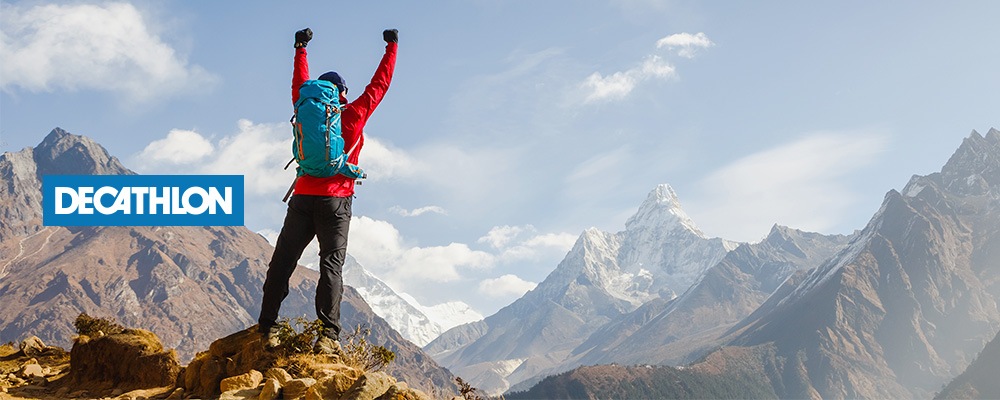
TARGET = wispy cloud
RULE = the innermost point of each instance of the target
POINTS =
(801, 184)
(506, 286)
(618, 85)
(104, 47)
(499, 236)
(516, 243)
(417, 211)
(686, 44)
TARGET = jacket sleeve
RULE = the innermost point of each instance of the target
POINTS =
(375, 90)
(300, 73)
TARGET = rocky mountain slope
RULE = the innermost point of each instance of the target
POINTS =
(677, 331)
(907, 304)
(189, 285)
(979, 381)
(605, 275)
(644, 382)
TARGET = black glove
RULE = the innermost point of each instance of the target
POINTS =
(390, 35)
(303, 37)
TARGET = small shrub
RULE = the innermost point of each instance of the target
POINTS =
(298, 341)
(467, 391)
(297, 336)
(361, 353)
(94, 327)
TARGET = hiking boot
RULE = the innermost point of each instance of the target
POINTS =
(329, 346)
(270, 337)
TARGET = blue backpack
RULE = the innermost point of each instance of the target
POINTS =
(318, 147)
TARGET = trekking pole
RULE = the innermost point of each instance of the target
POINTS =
(290, 189)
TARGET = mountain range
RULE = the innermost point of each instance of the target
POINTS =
(188, 285)
(909, 303)
(603, 277)
(895, 310)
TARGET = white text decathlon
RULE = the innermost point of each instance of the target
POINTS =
(146, 200)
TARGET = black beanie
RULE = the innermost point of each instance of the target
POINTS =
(335, 79)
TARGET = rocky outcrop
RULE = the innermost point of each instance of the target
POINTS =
(230, 369)
(133, 359)
(133, 364)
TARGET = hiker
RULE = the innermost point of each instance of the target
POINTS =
(321, 207)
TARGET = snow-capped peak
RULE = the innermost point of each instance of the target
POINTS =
(662, 210)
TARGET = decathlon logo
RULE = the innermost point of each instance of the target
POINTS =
(142, 200)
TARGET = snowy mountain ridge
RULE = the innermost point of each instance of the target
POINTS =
(662, 244)
(604, 276)
(415, 322)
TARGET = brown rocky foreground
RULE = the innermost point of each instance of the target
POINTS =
(134, 365)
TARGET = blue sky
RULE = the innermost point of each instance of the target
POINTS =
(512, 126)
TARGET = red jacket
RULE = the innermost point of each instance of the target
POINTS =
(352, 120)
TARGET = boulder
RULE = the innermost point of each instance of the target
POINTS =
(242, 394)
(32, 370)
(279, 374)
(270, 390)
(234, 343)
(332, 386)
(132, 359)
(369, 387)
(297, 388)
(234, 355)
(249, 380)
(32, 346)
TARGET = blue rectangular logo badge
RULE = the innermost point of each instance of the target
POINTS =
(142, 200)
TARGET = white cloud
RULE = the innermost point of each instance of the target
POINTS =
(379, 247)
(97, 47)
(801, 184)
(374, 243)
(258, 152)
(499, 236)
(417, 211)
(618, 85)
(506, 286)
(562, 241)
(524, 243)
(179, 147)
(382, 161)
(685, 43)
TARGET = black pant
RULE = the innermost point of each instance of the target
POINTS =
(324, 217)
